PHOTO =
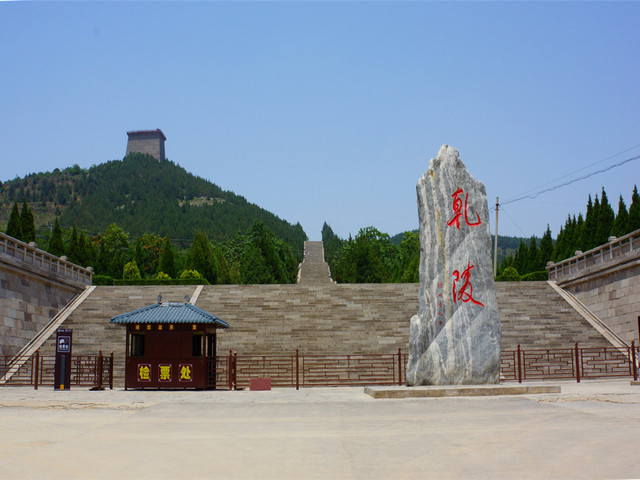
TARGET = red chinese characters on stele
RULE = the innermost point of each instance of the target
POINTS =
(457, 211)
(464, 293)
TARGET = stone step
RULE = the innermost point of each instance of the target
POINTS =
(323, 319)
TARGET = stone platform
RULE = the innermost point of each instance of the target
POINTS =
(459, 391)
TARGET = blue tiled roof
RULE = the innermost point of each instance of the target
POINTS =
(170, 312)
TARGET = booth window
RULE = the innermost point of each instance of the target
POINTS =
(197, 344)
(136, 345)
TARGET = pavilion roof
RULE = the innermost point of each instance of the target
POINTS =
(169, 312)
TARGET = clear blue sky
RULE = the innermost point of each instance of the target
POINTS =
(331, 111)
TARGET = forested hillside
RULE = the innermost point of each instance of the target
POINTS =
(142, 196)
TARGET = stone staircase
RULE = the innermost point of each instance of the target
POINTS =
(314, 270)
(317, 316)
(323, 319)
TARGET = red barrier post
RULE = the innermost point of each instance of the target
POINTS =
(519, 365)
(399, 367)
(99, 371)
(297, 369)
(633, 360)
(36, 369)
(577, 363)
(235, 370)
(111, 372)
(229, 365)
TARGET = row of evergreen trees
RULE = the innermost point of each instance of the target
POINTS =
(254, 256)
(578, 233)
(21, 223)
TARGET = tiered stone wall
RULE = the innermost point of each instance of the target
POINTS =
(323, 319)
(607, 280)
(34, 286)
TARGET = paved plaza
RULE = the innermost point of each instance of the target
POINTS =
(590, 430)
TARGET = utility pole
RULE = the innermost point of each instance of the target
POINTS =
(495, 242)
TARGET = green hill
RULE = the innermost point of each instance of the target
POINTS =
(142, 195)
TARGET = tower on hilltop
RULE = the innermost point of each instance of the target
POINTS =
(147, 141)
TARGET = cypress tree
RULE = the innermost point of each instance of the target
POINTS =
(546, 248)
(74, 250)
(14, 227)
(56, 244)
(200, 257)
(634, 211)
(587, 233)
(533, 257)
(622, 218)
(605, 220)
(559, 247)
(27, 223)
(168, 261)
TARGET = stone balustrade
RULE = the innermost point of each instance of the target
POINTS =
(617, 251)
(15, 251)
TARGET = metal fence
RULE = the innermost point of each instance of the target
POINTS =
(569, 363)
(296, 370)
(39, 370)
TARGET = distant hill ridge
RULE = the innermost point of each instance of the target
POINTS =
(141, 195)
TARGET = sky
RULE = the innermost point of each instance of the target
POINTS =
(330, 111)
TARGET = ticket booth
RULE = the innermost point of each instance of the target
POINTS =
(170, 345)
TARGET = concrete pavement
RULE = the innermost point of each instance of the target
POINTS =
(589, 430)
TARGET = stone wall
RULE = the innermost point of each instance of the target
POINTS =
(614, 298)
(607, 280)
(34, 286)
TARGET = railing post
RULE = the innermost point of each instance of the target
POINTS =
(633, 360)
(229, 366)
(99, 370)
(111, 371)
(235, 370)
(577, 362)
(399, 367)
(297, 369)
(36, 369)
(519, 362)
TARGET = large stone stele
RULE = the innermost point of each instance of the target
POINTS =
(455, 337)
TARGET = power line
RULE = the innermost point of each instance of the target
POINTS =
(569, 182)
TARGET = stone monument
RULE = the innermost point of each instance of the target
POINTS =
(455, 337)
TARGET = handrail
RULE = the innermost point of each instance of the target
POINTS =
(604, 329)
(31, 254)
(617, 247)
(43, 335)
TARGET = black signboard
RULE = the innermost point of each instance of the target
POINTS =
(62, 374)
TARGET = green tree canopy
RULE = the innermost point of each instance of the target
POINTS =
(634, 211)
(56, 243)
(201, 257)
(168, 261)
(619, 228)
(14, 227)
(27, 224)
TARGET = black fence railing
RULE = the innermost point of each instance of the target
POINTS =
(39, 370)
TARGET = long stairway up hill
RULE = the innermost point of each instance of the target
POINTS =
(314, 270)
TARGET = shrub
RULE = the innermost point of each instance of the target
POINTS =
(194, 274)
(509, 274)
(536, 276)
(162, 276)
(101, 280)
(131, 271)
